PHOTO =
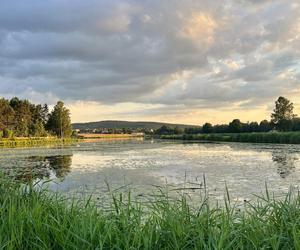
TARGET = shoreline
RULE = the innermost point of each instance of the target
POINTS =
(43, 141)
(109, 136)
(34, 141)
(256, 137)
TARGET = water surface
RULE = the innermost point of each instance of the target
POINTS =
(142, 165)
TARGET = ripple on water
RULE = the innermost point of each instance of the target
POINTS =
(140, 165)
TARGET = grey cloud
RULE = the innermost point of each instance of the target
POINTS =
(117, 51)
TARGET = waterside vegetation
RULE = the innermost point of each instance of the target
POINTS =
(35, 141)
(269, 137)
(36, 219)
(109, 136)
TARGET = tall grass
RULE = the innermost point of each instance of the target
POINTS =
(261, 137)
(36, 219)
(34, 141)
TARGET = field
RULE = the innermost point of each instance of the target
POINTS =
(32, 219)
(269, 137)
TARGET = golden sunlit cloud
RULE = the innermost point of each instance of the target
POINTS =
(92, 111)
(199, 27)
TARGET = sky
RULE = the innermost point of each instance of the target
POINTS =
(190, 61)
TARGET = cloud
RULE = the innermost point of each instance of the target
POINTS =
(180, 55)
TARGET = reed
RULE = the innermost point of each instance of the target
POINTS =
(261, 137)
(36, 219)
(34, 141)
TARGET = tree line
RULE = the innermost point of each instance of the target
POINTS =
(282, 119)
(22, 118)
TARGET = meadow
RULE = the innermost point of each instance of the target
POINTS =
(259, 137)
(34, 218)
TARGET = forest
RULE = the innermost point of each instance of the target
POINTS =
(21, 118)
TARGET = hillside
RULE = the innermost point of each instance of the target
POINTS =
(126, 124)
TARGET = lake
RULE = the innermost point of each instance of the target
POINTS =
(143, 165)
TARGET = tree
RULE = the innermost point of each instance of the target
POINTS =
(221, 128)
(178, 131)
(39, 119)
(296, 124)
(283, 114)
(254, 127)
(23, 116)
(192, 130)
(235, 126)
(6, 115)
(207, 128)
(164, 130)
(265, 126)
(59, 121)
(44, 114)
(38, 129)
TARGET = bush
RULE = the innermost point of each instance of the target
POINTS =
(7, 133)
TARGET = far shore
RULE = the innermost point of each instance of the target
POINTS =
(89, 136)
(254, 137)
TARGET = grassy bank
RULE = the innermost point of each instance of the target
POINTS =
(270, 137)
(34, 141)
(39, 220)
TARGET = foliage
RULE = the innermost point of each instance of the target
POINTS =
(6, 114)
(265, 126)
(13, 142)
(59, 121)
(283, 114)
(36, 219)
(259, 137)
(193, 130)
(207, 128)
(7, 133)
(21, 118)
(235, 126)
(165, 130)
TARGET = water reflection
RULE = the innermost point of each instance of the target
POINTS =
(285, 162)
(244, 168)
(283, 156)
(41, 167)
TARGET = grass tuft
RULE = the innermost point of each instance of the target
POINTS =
(33, 218)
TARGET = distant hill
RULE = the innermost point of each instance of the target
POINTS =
(126, 124)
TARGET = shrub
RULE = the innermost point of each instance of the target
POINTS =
(7, 133)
